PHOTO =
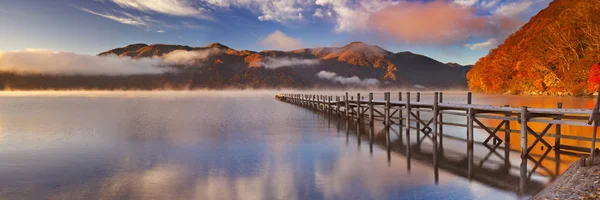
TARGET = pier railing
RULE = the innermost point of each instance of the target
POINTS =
(404, 113)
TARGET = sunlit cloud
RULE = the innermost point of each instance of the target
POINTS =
(465, 2)
(275, 10)
(127, 19)
(513, 8)
(169, 7)
(490, 43)
(280, 41)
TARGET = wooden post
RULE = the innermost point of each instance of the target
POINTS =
(523, 180)
(557, 142)
(418, 125)
(470, 141)
(593, 146)
(434, 124)
(400, 120)
(441, 123)
(507, 142)
(371, 111)
(329, 105)
(407, 129)
(387, 123)
(347, 106)
(469, 97)
(337, 105)
(558, 131)
(358, 108)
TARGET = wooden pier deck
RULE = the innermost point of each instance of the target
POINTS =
(406, 116)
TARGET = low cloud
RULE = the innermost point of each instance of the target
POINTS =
(280, 41)
(354, 80)
(491, 43)
(273, 63)
(183, 57)
(44, 61)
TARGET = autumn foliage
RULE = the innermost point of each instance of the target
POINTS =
(551, 54)
(594, 77)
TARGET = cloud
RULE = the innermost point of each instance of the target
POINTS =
(489, 4)
(513, 9)
(280, 41)
(127, 19)
(437, 22)
(350, 15)
(273, 63)
(354, 80)
(123, 17)
(274, 10)
(465, 2)
(170, 7)
(44, 61)
(160, 31)
(183, 57)
(490, 43)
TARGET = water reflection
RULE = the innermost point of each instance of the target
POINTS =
(228, 146)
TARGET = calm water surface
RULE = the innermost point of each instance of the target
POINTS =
(215, 145)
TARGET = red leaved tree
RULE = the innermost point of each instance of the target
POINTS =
(594, 77)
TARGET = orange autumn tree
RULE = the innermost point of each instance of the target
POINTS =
(594, 77)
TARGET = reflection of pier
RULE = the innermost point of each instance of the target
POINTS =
(426, 119)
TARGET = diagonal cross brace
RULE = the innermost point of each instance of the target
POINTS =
(492, 133)
(538, 138)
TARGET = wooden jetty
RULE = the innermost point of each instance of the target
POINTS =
(406, 116)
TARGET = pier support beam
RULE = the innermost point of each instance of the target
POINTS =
(347, 106)
(418, 125)
(434, 123)
(523, 168)
(470, 129)
(407, 130)
(400, 120)
(358, 109)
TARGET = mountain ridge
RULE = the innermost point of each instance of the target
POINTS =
(354, 59)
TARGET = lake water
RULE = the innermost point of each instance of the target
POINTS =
(221, 145)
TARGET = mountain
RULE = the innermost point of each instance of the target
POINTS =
(219, 66)
(551, 54)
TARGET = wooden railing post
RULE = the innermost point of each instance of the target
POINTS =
(347, 106)
(507, 132)
(434, 124)
(523, 168)
(358, 108)
(469, 97)
(371, 111)
(407, 128)
(387, 123)
(400, 120)
(337, 105)
(557, 142)
(418, 125)
(558, 130)
(441, 122)
(470, 141)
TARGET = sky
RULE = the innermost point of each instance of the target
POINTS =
(460, 31)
